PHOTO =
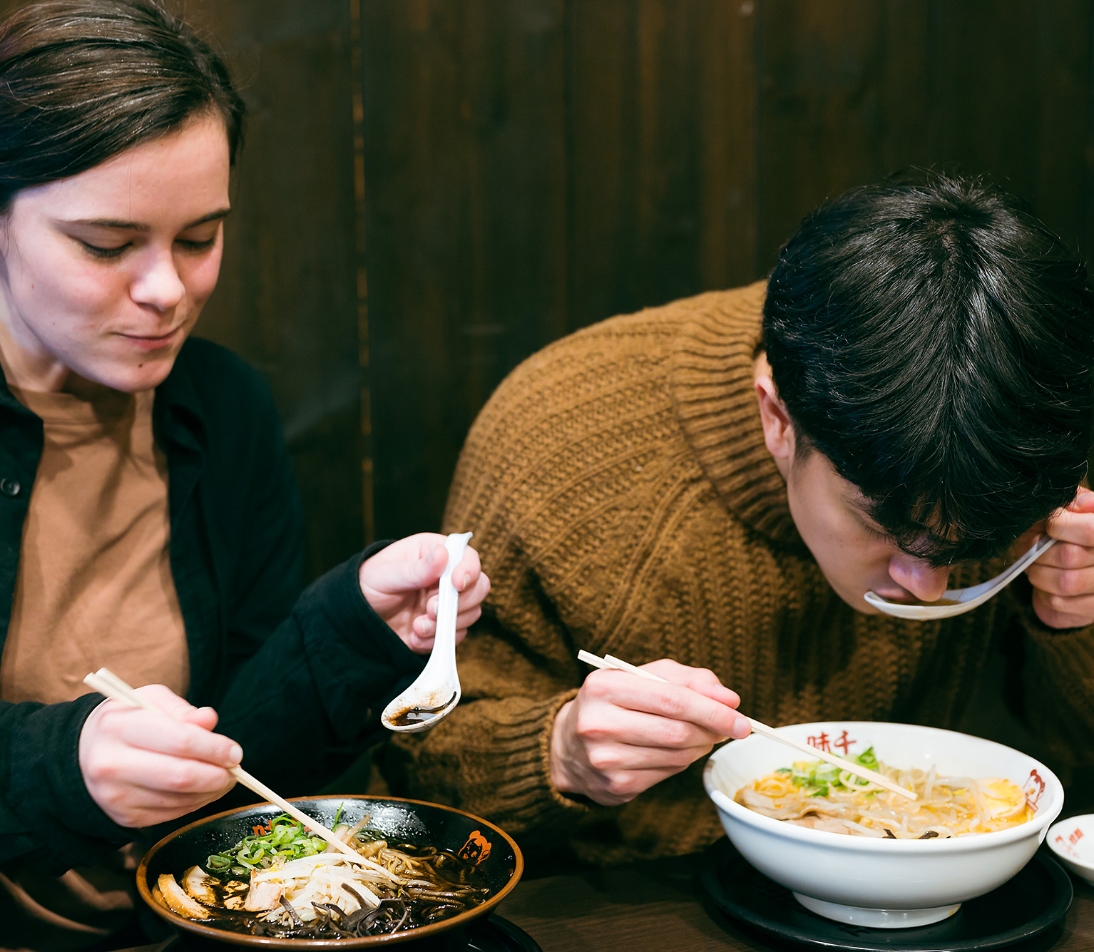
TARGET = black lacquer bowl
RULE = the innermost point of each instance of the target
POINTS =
(493, 851)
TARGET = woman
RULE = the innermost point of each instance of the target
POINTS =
(148, 520)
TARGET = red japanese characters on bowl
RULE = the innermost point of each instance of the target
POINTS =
(1072, 841)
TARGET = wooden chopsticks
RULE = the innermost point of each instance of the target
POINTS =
(110, 685)
(760, 728)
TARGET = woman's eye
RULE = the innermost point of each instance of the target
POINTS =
(97, 251)
(191, 245)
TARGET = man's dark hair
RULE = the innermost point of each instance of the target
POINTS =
(934, 341)
(82, 80)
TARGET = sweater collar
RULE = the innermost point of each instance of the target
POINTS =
(715, 403)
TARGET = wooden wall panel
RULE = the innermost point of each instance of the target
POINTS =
(841, 103)
(466, 226)
(662, 163)
(852, 91)
(1012, 98)
(287, 296)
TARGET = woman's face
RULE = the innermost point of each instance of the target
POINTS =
(103, 275)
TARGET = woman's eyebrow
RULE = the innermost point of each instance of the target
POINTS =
(218, 215)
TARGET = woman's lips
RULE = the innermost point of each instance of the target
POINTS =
(151, 342)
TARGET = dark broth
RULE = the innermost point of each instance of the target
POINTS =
(413, 716)
(457, 887)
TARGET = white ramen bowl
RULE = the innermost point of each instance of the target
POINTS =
(882, 883)
(1072, 841)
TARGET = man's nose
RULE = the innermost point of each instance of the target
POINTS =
(923, 580)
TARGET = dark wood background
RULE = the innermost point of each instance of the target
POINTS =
(433, 189)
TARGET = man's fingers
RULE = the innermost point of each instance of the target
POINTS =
(1063, 611)
(1065, 555)
(702, 680)
(665, 700)
(1073, 525)
(1066, 582)
(1083, 501)
(641, 731)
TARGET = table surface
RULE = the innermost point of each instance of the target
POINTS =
(658, 906)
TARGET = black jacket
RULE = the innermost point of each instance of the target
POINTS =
(299, 682)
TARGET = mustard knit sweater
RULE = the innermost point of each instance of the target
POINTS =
(623, 501)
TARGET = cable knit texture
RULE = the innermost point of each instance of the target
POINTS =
(623, 501)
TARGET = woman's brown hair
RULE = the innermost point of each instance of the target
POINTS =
(83, 80)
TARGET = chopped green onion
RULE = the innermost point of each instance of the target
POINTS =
(286, 840)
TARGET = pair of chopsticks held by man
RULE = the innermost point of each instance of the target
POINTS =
(707, 487)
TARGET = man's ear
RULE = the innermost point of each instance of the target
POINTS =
(778, 427)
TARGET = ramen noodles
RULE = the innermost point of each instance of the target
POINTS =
(822, 796)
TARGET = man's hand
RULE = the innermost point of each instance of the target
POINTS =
(142, 767)
(622, 733)
(400, 583)
(1063, 578)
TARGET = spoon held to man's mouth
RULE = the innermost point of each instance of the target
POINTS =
(957, 601)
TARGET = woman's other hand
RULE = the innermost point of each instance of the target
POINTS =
(400, 583)
(622, 734)
(145, 767)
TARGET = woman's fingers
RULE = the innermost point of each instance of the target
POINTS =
(155, 732)
(426, 627)
(179, 778)
(415, 565)
(400, 583)
(470, 597)
(144, 767)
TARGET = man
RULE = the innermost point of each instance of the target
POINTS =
(711, 487)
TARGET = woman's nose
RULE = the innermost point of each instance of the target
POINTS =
(158, 285)
(923, 580)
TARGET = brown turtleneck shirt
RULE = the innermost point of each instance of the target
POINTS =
(623, 501)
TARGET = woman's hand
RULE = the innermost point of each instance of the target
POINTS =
(1063, 578)
(400, 583)
(143, 767)
(622, 733)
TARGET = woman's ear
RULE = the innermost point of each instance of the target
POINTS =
(778, 427)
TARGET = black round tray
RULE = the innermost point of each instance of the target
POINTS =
(1033, 901)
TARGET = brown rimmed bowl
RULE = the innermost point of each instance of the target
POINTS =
(409, 821)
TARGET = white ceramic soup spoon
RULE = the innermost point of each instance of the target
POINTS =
(956, 601)
(437, 689)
